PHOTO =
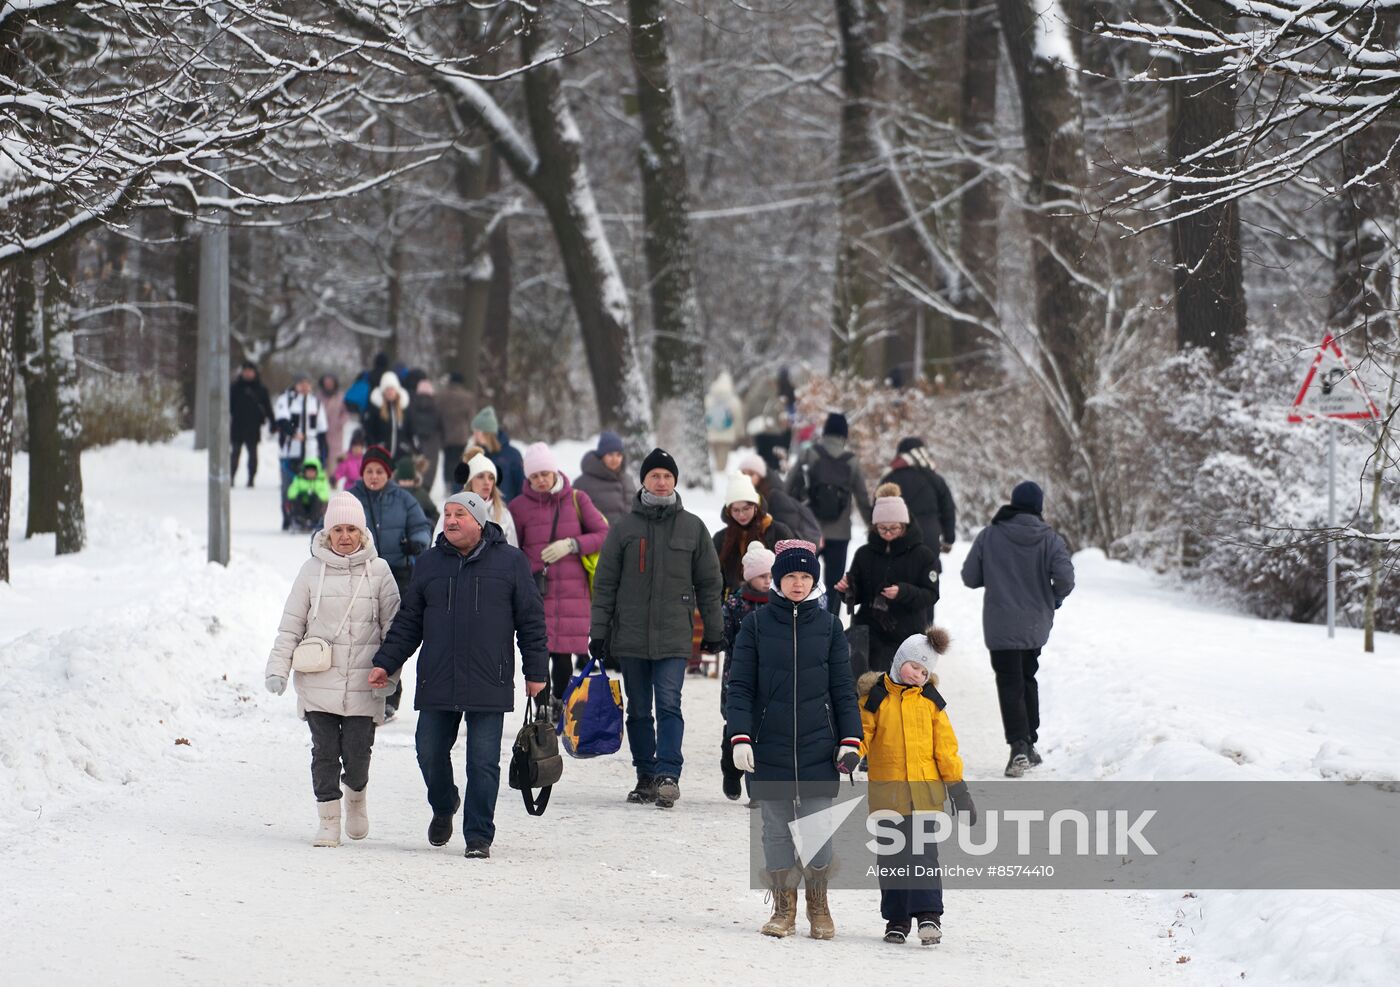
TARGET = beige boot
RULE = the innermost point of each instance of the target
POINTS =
(329, 833)
(782, 886)
(356, 814)
(818, 912)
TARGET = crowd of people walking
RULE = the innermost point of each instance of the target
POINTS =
(611, 566)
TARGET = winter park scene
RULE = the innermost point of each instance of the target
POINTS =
(790, 491)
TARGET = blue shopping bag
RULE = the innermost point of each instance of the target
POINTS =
(592, 720)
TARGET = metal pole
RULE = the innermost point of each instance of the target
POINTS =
(1332, 528)
(213, 333)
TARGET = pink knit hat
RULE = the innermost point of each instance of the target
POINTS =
(344, 508)
(538, 459)
(757, 561)
(890, 510)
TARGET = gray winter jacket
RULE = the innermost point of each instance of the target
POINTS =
(1026, 569)
(835, 447)
(656, 567)
(610, 492)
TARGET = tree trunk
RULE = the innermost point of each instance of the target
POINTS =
(8, 274)
(930, 81)
(186, 249)
(1206, 260)
(474, 186)
(1042, 60)
(1366, 282)
(981, 203)
(678, 351)
(40, 398)
(496, 361)
(61, 362)
(561, 182)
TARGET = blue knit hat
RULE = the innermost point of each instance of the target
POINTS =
(795, 555)
(1028, 497)
(608, 442)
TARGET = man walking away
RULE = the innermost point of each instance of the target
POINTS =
(1026, 569)
(828, 478)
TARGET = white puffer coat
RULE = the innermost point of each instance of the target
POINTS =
(326, 587)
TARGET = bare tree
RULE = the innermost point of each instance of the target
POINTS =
(678, 351)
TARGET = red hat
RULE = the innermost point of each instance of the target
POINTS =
(380, 455)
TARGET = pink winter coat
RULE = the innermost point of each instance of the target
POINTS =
(567, 604)
(347, 474)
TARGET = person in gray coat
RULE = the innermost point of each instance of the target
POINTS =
(1026, 569)
(655, 569)
(605, 481)
(828, 479)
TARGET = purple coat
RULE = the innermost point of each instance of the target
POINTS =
(567, 604)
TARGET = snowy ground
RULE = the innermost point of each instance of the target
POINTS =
(157, 808)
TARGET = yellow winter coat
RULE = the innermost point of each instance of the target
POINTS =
(910, 745)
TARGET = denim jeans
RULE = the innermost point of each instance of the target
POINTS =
(437, 732)
(336, 741)
(833, 555)
(655, 743)
(779, 851)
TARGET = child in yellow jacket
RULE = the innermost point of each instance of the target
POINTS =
(913, 757)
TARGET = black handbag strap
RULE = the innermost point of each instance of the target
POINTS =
(534, 804)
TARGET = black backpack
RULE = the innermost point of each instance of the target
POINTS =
(829, 485)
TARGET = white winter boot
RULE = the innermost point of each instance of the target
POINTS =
(329, 833)
(356, 815)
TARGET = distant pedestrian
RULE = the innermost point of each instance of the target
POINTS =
(301, 433)
(386, 422)
(333, 403)
(408, 476)
(791, 512)
(1027, 572)
(490, 434)
(347, 469)
(425, 424)
(724, 419)
(829, 480)
(604, 477)
(250, 408)
(454, 408)
(308, 495)
(926, 493)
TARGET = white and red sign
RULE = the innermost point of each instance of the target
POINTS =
(1331, 388)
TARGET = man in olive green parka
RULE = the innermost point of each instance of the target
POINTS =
(656, 568)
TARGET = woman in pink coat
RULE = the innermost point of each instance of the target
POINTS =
(557, 524)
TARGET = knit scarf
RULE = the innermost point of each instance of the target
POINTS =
(651, 500)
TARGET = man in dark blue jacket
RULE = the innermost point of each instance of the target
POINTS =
(470, 594)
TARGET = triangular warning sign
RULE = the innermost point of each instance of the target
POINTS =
(1331, 388)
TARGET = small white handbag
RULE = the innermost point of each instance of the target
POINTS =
(313, 654)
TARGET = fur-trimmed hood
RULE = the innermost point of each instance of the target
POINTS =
(867, 682)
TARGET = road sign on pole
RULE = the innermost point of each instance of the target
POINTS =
(1331, 390)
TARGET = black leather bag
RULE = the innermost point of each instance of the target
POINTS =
(535, 761)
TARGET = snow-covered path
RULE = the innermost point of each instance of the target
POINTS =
(134, 859)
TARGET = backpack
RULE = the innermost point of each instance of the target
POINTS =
(829, 485)
(357, 396)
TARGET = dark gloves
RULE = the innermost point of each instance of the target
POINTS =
(598, 649)
(847, 756)
(945, 548)
(712, 647)
(1058, 604)
(962, 801)
(411, 548)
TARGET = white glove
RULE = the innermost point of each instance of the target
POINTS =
(556, 550)
(743, 757)
(276, 684)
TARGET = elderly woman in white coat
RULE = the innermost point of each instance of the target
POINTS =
(335, 618)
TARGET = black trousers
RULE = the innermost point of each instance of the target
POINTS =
(561, 669)
(833, 555)
(338, 741)
(451, 456)
(1018, 693)
(238, 445)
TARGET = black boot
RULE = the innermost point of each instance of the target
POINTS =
(930, 928)
(440, 829)
(1033, 755)
(1020, 759)
(897, 932)
(644, 793)
(668, 791)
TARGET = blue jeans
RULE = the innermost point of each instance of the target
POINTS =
(437, 733)
(779, 850)
(655, 743)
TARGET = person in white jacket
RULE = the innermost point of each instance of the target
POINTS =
(334, 620)
(478, 474)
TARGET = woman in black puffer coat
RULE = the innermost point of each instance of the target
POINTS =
(794, 723)
(892, 582)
